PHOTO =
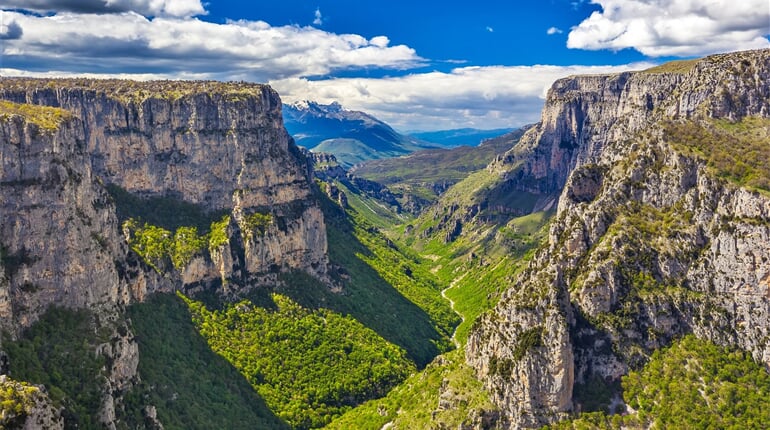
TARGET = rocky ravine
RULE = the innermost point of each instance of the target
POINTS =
(221, 147)
(647, 244)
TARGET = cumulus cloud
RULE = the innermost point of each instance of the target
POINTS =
(319, 19)
(177, 8)
(675, 27)
(481, 97)
(554, 30)
(131, 43)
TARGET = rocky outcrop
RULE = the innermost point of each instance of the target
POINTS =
(73, 151)
(59, 231)
(648, 243)
(27, 407)
(326, 168)
(219, 146)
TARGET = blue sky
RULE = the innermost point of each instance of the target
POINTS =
(416, 64)
(478, 33)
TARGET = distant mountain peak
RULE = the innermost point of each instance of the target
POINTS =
(311, 106)
(352, 136)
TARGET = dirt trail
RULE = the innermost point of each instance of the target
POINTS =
(452, 305)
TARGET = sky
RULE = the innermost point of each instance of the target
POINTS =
(418, 65)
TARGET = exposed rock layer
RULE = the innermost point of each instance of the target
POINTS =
(221, 147)
(646, 245)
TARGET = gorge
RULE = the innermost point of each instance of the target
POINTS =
(161, 225)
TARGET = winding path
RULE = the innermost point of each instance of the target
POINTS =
(452, 305)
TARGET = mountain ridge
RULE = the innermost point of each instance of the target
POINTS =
(352, 136)
(639, 229)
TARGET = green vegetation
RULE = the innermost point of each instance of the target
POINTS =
(157, 245)
(743, 161)
(186, 245)
(479, 267)
(468, 190)
(696, 384)
(693, 384)
(137, 92)
(256, 223)
(308, 365)
(218, 235)
(678, 66)
(47, 118)
(383, 287)
(418, 176)
(58, 351)
(414, 403)
(192, 387)
(404, 273)
(16, 401)
(374, 211)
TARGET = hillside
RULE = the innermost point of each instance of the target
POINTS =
(352, 136)
(420, 177)
(652, 255)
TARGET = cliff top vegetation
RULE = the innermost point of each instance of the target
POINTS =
(138, 91)
(47, 118)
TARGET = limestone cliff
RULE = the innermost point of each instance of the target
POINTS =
(655, 235)
(59, 232)
(77, 155)
(219, 146)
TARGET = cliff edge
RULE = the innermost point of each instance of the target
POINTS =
(662, 229)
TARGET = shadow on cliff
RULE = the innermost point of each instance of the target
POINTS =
(366, 296)
(191, 386)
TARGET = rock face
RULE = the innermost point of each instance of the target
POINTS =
(648, 242)
(59, 232)
(326, 168)
(27, 407)
(61, 243)
(219, 146)
(68, 146)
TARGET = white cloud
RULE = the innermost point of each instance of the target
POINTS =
(319, 20)
(129, 42)
(481, 97)
(177, 8)
(675, 27)
(554, 30)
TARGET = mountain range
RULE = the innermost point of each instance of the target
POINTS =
(351, 136)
